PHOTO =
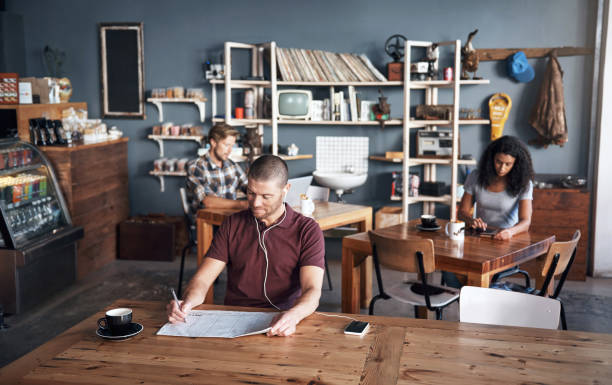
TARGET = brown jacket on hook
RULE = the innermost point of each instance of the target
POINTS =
(548, 115)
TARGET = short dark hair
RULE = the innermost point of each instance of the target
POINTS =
(221, 131)
(268, 167)
(522, 171)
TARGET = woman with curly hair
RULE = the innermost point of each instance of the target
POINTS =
(501, 188)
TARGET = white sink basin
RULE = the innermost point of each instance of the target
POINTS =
(339, 181)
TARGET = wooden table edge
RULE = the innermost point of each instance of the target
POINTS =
(16, 370)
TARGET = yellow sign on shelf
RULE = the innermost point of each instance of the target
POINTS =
(500, 105)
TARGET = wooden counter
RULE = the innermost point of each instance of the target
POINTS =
(25, 112)
(94, 181)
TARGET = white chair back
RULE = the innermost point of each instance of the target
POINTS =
(184, 200)
(318, 193)
(508, 308)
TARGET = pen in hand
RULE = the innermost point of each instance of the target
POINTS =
(176, 300)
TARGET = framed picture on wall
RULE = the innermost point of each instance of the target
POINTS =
(122, 70)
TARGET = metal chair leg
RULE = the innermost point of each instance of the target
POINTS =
(329, 283)
(563, 321)
(180, 283)
(376, 298)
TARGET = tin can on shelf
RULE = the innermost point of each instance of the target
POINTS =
(414, 183)
(448, 73)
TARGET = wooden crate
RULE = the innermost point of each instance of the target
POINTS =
(146, 240)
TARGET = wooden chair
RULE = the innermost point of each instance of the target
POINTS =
(558, 261)
(413, 257)
(191, 229)
(508, 308)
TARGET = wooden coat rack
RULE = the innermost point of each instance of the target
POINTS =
(490, 54)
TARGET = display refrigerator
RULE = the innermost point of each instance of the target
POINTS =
(38, 242)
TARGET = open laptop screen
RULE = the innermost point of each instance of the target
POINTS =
(298, 186)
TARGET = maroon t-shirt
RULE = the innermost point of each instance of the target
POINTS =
(296, 241)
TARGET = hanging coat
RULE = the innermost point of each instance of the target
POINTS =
(548, 115)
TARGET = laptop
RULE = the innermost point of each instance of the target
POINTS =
(298, 186)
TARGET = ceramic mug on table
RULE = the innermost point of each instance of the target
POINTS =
(455, 230)
(116, 320)
(307, 206)
(428, 220)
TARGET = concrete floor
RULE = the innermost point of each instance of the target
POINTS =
(588, 304)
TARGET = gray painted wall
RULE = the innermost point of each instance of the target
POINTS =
(179, 35)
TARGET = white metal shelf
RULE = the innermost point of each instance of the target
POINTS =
(243, 83)
(162, 174)
(342, 84)
(243, 122)
(248, 122)
(267, 83)
(422, 161)
(242, 158)
(463, 122)
(421, 84)
(159, 139)
(390, 122)
(398, 83)
(425, 198)
(199, 102)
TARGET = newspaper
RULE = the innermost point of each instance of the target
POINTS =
(220, 324)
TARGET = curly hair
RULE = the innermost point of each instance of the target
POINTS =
(520, 174)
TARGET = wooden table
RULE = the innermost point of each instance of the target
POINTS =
(477, 257)
(395, 351)
(327, 214)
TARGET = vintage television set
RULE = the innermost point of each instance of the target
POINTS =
(294, 104)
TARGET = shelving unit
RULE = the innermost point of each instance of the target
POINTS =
(258, 87)
(431, 98)
(407, 122)
(158, 102)
(159, 139)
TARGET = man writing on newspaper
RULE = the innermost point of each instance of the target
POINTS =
(274, 255)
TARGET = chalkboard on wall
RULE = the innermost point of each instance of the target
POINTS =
(122, 70)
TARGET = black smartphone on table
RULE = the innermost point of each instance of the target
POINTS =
(358, 328)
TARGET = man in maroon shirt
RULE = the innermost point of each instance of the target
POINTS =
(274, 256)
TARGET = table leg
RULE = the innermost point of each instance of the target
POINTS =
(478, 280)
(365, 287)
(350, 282)
(367, 267)
(210, 295)
(205, 236)
(424, 313)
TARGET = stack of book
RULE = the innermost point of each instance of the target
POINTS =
(305, 65)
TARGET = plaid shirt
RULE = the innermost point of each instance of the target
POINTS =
(204, 178)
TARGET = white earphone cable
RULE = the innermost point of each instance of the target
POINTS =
(261, 239)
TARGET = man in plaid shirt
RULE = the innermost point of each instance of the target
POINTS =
(214, 179)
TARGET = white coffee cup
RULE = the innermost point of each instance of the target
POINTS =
(455, 230)
(307, 206)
